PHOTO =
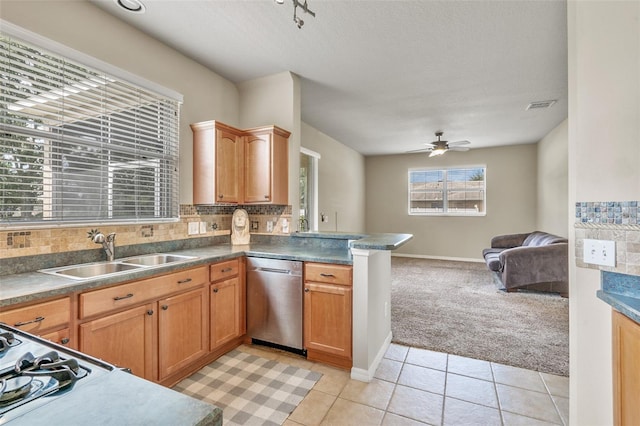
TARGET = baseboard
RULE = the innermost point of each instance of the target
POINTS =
(424, 256)
(363, 375)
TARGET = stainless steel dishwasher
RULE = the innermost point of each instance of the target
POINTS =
(274, 302)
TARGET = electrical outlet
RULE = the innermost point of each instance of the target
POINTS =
(599, 252)
(194, 228)
(269, 226)
(203, 227)
(285, 226)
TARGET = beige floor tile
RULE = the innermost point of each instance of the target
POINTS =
(422, 378)
(462, 413)
(313, 408)
(562, 404)
(476, 368)
(527, 403)
(417, 404)
(512, 419)
(396, 352)
(376, 393)
(519, 377)
(426, 358)
(332, 381)
(472, 390)
(295, 361)
(346, 413)
(388, 370)
(391, 419)
(557, 385)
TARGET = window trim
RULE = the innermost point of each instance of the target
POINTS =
(446, 213)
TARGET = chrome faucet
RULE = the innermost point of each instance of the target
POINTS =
(108, 244)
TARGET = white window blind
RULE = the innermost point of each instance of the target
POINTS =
(80, 145)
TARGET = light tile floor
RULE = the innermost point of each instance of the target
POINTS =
(416, 387)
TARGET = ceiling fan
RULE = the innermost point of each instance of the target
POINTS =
(439, 147)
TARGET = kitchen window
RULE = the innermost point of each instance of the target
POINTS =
(452, 191)
(80, 145)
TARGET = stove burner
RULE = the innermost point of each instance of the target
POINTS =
(65, 371)
(14, 388)
(7, 340)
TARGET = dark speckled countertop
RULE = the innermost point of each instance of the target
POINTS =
(622, 292)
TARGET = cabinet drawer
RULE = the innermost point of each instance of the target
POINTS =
(223, 270)
(60, 337)
(327, 273)
(42, 316)
(108, 299)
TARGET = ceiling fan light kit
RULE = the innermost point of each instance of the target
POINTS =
(439, 147)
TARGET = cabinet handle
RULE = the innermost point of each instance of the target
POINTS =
(226, 270)
(266, 197)
(20, 324)
(327, 275)
(165, 307)
(215, 290)
(306, 290)
(64, 341)
(150, 312)
(184, 281)
(128, 296)
(221, 196)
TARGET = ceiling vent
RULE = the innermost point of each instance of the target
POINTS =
(541, 104)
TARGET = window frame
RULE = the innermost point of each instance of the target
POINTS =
(167, 163)
(445, 197)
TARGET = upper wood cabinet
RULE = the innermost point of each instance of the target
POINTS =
(240, 166)
(217, 163)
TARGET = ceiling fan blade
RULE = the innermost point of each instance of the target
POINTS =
(419, 150)
(458, 148)
(459, 143)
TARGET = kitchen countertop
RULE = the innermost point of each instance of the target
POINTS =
(34, 286)
(120, 398)
(622, 292)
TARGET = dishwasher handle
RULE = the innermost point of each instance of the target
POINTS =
(274, 270)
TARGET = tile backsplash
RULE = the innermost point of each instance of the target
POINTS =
(17, 243)
(614, 221)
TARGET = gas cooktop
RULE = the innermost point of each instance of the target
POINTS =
(35, 372)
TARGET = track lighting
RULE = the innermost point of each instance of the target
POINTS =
(305, 8)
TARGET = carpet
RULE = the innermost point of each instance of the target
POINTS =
(250, 390)
(456, 307)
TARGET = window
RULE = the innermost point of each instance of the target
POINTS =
(308, 189)
(81, 145)
(459, 191)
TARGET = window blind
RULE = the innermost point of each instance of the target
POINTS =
(80, 145)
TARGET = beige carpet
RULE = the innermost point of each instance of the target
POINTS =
(456, 307)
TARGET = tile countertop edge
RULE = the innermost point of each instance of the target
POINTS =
(621, 292)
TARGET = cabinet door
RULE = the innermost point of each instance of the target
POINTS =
(225, 311)
(182, 330)
(327, 318)
(626, 370)
(257, 169)
(228, 167)
(61, 337)
(124, 339)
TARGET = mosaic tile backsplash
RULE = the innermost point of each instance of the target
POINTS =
(611, 212)
(38, 241)
(617, 221)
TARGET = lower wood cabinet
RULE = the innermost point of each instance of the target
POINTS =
(626, 370)
(227, 302)
(328, 313)
(50, 320)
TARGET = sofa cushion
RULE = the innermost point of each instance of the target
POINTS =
(536, 239)
(492, 257)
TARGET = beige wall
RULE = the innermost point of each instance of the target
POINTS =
(88, 29)
(553, 181)
(604, 154)
(341, 176)
(511, 201)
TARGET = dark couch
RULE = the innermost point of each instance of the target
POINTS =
(533, 261)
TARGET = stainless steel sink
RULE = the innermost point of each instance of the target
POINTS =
(91, 270)
(102, 269)
(155, 259)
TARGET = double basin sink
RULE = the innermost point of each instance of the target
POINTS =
(101, 269)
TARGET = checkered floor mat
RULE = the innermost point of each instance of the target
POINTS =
(249, 389)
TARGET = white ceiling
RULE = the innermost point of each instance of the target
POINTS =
(383, 76)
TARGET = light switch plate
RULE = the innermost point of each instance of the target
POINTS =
(203, 227)
(599, 252)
